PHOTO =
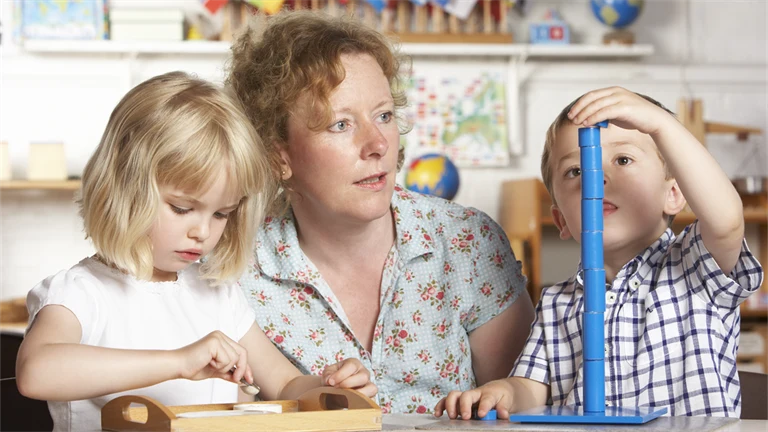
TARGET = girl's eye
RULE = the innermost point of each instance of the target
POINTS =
(386, 117)
(340, 126)
(179, 210)
(573, 172)
(219, 215)
(623, 160)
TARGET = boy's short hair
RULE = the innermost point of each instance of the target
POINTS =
(279, 59)
(560, 121)
(180, 131)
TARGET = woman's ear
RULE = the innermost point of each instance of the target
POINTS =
(285, 165)
(559, 219)
(675, 202)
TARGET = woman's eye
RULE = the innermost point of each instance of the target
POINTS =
(179, 210)
(386, 117)
(573, 172)
(340, 126)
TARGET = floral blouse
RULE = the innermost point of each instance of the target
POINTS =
(450, 270)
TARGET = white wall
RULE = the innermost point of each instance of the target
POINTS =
(68, 98)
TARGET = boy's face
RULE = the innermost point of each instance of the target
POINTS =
(637, 200)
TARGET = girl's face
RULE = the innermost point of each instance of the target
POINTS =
(189, 225)
(346, 171)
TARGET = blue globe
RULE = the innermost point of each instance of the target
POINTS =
(433, 174)
(617, 13)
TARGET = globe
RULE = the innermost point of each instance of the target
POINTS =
(433, 174)
(617, 13)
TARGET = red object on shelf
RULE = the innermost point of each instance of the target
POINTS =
(214, 5)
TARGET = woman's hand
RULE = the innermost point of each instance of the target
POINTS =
(350, 373)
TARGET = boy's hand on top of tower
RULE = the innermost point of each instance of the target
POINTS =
(621, 107)
(214, 356)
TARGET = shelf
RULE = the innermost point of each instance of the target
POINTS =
(414, 49)
(70, 185)
(753, 313)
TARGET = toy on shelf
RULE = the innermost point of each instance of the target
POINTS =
(617, 14)
(320, 409)
(553, 30)
(415, 21)
(594, 410)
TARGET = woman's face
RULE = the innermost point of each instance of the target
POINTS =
(345, 172)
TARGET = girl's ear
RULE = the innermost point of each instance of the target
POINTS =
(675, 202)
(559, 219)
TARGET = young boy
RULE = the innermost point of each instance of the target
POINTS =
(672, 303)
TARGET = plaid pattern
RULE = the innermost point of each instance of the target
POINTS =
(671, 331)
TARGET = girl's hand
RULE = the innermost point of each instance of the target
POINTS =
(214, 356)
(351, 374)
(621, 107)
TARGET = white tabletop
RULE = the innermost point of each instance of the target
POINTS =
(403, 422)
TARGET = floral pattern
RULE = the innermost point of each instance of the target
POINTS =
(449, 271)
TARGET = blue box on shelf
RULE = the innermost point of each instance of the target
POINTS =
(553, 30)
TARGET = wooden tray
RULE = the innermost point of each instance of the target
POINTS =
(318, 410)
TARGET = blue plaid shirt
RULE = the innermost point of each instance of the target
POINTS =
(671, 331)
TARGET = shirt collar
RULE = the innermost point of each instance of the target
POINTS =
(280, 257)
(642, 264)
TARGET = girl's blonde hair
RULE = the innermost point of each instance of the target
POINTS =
(278, 60)
(180, 131)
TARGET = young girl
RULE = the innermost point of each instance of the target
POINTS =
(179, 175)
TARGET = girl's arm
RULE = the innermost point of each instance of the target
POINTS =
(280, 380)
(53, 365)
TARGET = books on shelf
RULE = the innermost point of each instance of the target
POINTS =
(146, 24)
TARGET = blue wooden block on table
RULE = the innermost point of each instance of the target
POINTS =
(576, 415)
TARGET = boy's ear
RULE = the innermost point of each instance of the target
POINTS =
(285, 165)
(675, 202)
(559, 219)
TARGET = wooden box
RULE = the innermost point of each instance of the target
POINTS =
(318, 410)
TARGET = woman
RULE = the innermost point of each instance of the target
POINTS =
(349, 264)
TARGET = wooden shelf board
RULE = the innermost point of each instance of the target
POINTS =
(460, 48)
(40, 185)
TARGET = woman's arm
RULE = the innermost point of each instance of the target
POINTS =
(497, 343)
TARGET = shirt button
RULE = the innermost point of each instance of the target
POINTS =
(607, 348)
(635, 283)
(610, 297)
(607, 403)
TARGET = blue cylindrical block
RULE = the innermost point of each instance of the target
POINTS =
(594, 386)
(591, 158)
(589, 137)
(592, 250)
(592, 184)
(592, 215)
(596, 302)
(593, 345)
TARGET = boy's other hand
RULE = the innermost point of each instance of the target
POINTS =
(350, 373)
(621, 107)
(496, 394)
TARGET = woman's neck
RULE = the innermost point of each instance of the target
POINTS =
(337, 242)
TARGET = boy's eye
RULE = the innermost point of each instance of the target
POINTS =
(623, 160)
(573, 172)
(179, 210)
